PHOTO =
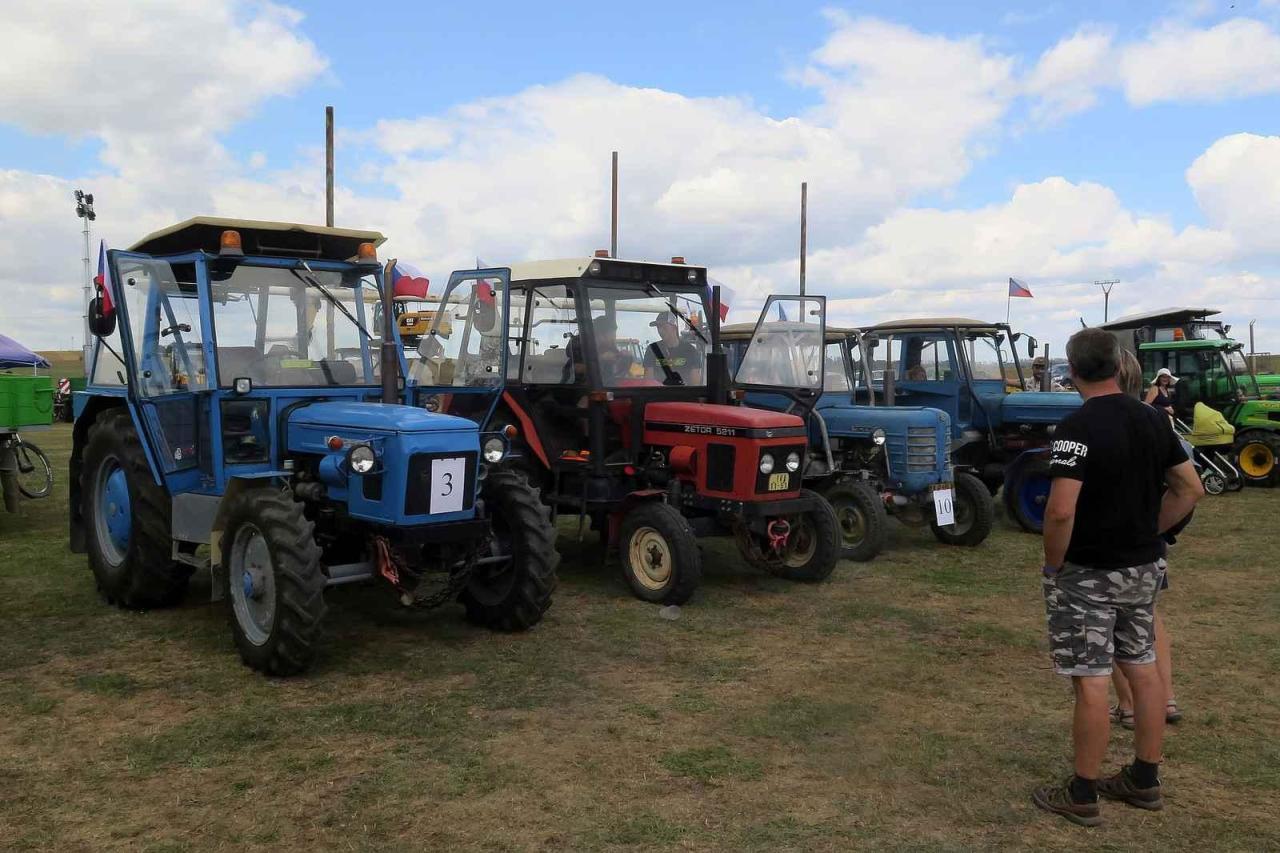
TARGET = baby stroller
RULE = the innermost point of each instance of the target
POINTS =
(1211, 437)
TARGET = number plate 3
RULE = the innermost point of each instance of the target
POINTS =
(448, 484)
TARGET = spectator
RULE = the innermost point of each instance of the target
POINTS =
(1160, 394)
(1102, 571)
(1039, 365)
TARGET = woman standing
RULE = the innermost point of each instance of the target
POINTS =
(1160, 394)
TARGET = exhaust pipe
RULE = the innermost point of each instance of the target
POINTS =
(388, 358)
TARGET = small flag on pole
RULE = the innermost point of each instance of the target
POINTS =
(408, 281)
(1019, 289)
(102, 281)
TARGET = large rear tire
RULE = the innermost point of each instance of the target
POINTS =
(513, 591)
(1258, 458)
(127, 517)
(1027, 492)
(860, 518)
(275, 583)
(974, 514)
(659, 554)
(812, 549)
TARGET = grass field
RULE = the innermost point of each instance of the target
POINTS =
(907, 704)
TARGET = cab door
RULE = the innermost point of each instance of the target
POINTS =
(784, 359)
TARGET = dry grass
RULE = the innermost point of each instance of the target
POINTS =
(907, 704)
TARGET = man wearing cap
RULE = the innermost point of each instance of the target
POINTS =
(1038, 366)
(670, 359)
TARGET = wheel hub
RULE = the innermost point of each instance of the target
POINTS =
(114, 515)
(650, 554)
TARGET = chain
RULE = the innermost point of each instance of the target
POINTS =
(393, 567)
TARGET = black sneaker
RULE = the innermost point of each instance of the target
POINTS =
(1057, 800)
(1121, 787)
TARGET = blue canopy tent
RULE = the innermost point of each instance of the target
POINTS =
(14, 354)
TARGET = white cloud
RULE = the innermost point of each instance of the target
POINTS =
(1068, 75)
(1236, 182)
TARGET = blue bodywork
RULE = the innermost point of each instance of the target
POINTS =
(918, 453)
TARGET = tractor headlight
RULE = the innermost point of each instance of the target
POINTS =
(878, 436)
(766, 464)
(793, 461)
(362, 459)
(494, 450)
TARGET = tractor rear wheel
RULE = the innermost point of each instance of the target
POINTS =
(812, 548)
(1258, 455)
(974, 513)
(659, 554)
(510, 587)
(861, 519)
(1027, 492)
(275, 584)
(127, 517)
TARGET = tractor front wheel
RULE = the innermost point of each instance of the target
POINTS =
(275, 584)
(1258, 458)
(861, 518)
(127, 517)
(812, 548)
(1026, 492)
(659, 554)
(511, 584)
(974, 513)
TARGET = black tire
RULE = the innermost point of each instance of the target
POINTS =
(974, 513)
(659, 554)
(1258, 458)
(268, 525)
(1214, 483)
(139, 573)
(35, 474)
(813, 546)
(1026, 493)
(513, 595)
(861, 520)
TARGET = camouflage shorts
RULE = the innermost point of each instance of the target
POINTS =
(1097, 615)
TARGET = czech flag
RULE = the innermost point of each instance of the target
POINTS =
(1018, 288)
(102, 281)
(727, 296)
(408, 281)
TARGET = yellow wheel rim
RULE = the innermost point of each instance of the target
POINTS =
(1257, 459)
(649, 558)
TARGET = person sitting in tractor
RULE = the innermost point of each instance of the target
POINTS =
(1160, 394)
(1039, 365)
(670, 359)
(615, 363)
(917, 373)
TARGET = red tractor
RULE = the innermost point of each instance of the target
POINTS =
(618, 408)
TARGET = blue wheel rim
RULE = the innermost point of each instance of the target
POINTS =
(115, 512)
(1033, 495)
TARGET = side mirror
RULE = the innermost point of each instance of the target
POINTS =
(1226, 330)
(1032, 346)
(101, 324)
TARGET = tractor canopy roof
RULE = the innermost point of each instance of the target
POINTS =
(613, 270)
(1195, 343)
(933, 323)
(1163, 317)
(287, 239)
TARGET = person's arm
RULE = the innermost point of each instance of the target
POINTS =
(1184, 491)
(1060, 520)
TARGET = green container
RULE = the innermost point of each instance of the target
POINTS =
(25, 400)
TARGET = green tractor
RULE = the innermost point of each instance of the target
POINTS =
(1211, 369)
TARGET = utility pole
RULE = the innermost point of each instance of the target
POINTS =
(84, 210)
(613, 211)
(804, 230)
(1106, 285)
(328, 166)
(1253, 356)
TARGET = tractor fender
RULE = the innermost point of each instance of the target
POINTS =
(630, 502)
(235, 487)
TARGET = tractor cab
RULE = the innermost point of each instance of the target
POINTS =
(617, 391)
(241, 417)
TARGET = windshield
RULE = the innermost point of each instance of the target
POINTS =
(463, 346)
(990, 358)
(786, 349)
(274, 326)
(1239, 368)
(645, 338)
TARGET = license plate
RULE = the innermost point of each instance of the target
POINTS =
(944, 508)
(779, 482)
(448, 483)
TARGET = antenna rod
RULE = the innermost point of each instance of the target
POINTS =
(613, 231)
(328, 166)
(804, 230)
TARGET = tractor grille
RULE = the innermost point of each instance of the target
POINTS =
(417, 496)
(922, 449)
(720, 461)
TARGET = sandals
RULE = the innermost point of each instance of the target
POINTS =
(1171, 712)
(1124, 716)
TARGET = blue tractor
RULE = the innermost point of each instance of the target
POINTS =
(1001, 420)
(871, 461)
(240, 417)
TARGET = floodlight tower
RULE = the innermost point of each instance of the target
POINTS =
(84, 210)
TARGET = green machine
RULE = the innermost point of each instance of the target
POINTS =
(26, 401)
(1211, 369)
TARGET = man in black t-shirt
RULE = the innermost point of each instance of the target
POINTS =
(1103, 563)
(670, 359)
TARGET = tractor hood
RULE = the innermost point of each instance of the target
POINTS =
(844, 419)
(712, 415)
(350, 417)
(1038, 407)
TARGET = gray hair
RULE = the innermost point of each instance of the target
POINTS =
(1094, 355)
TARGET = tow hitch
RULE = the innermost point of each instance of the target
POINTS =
(779, 529)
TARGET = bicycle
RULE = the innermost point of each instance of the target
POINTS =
(34, 472)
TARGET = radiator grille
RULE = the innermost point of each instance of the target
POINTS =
(720, 461)
(922, 449)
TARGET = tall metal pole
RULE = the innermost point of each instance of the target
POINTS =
(613, 221)
(1253, 353)
(804, 230)
(1106, 285)
(84, 210)
(328, 166)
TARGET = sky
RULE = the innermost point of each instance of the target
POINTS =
(946, 146)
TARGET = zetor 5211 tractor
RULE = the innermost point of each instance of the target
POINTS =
(233, 419)
(618, 391)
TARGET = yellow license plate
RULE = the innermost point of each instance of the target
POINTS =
(779, 482)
